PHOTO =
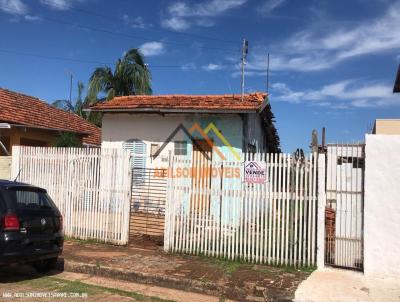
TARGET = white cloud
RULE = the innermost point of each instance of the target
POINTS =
(134, 22)
(32, 18)
(269, 6)
(60, 4)
(181, 15)
(175, 23)
(14, 7)
(258, 62)
(152, 48)
(205, 9)
(213, 67)
(313, 50)
(339, 95)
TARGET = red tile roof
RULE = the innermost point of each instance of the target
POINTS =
(183, 102)
(16, 108)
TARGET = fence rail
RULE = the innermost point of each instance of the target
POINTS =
(272, 223)
(91, 187)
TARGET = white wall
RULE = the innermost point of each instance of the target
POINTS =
(382, 206)
(118, 128)
(155, 128)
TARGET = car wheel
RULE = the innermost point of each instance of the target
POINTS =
(43, 266)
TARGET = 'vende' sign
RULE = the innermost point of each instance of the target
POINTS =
(255, 172)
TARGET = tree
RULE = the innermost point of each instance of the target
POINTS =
(67, 139)
(70, 106)
(130, 77)
(78, 107)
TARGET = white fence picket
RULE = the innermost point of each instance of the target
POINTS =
(91, 187)
(270, 223)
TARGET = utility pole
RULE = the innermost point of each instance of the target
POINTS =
(245, 51)
(70, 87)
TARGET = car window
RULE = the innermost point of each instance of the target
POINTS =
(28, 199)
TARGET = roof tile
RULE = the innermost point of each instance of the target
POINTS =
(183, 102)
(30, 111)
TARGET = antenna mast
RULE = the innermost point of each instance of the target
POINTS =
(268, 73)
(70, 85)
(245, 51)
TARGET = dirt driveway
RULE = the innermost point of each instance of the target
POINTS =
(223, 278)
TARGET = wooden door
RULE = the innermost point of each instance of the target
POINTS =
(201, 177)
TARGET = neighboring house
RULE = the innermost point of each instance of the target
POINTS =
(144, 123)
(396, 87)
(387, 126)
(29, 121)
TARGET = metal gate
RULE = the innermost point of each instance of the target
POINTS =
(148, 204)
(345, 206)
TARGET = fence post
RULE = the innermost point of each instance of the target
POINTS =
(321, 212)
(15, 162)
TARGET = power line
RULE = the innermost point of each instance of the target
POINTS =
(130, 36)
(27, 54)
(107, 17)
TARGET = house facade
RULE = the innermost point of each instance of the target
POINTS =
(156, 128)
(199, 130)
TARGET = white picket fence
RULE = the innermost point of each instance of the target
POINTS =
(90, 186)
(272, 223)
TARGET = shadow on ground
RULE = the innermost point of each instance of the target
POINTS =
(18, 273)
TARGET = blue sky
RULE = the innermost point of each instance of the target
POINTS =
(332, 63)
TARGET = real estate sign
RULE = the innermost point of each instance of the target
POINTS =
(255, 172)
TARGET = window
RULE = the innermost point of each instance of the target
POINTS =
(180, 148)
(153, 149)
(138, 159)
(357, 162)
(25, 198)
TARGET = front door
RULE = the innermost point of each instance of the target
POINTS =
(201, 177)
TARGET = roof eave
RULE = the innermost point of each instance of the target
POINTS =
(49, 129)
(171, 110)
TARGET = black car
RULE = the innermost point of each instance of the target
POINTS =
(31, 226)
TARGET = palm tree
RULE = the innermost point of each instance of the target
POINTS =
(70, 106)
(130, 77)
(78, 107)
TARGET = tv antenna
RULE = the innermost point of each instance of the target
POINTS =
(245, 51)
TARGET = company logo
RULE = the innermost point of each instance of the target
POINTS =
(204, 134)
(200, 171)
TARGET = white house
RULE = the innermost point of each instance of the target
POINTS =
(145, 124)
(201, 129)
